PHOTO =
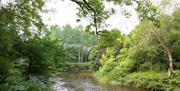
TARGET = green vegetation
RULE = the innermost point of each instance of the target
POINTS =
(147, 57)
(150, 79)
(77, 45)
(31, 52)
(76, 66)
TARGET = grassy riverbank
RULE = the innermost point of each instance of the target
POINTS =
(75, 66)
(150, 80)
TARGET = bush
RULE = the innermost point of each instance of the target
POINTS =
(146, 66)
(17, 83)
(4, 70)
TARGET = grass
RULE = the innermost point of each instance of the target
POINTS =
(149, 80)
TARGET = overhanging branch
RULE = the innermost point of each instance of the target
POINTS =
(90, 8)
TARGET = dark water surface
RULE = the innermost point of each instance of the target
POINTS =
(83, 81)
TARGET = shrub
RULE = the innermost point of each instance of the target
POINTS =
(147, 66)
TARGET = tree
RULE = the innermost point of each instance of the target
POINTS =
(114, 36)
(167, 29)
(95, 10)
(22, 47)
(162, 36)
(16, 21)
(77, 43)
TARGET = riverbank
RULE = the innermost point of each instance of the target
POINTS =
(75, 66)
(84, 81)
(149, 80)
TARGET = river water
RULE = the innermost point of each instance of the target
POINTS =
(83, 81)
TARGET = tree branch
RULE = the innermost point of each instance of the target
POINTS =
(90, 8)
(94, 16)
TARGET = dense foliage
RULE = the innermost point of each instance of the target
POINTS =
(26, 57)
(77, 46)
(77, 43)
(144, 54)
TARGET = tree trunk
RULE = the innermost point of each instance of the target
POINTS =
(79, 55)
(28, 71)
(170, 58)
(168, 50)
(82, 57)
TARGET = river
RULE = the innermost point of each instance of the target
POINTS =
(84, 81)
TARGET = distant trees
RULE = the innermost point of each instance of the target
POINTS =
(77, 43)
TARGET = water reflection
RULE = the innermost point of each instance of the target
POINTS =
(83, 81)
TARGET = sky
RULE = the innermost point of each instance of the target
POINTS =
(65, 13)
